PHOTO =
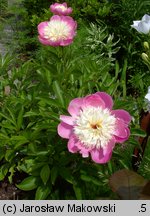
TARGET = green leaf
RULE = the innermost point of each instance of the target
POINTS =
(32, 148)
(90, 179)
(54, 174)
(110, 167)
(7, 124)
(3, 137)
(28, 183)
(20, 140)
(12, 116)
(133, 141)
(42, 192)
(3, 171)
(96, 182)
(30, 125)
(49, 101)
(11, 171)
(58, 92)
(66, 174)
(10, 154)
(48, 76)
(85, 178)
(78, 192)
(30, 113)
(20, 118)
(2, 152)
(138, 132)
(45, 173)
(27, 165)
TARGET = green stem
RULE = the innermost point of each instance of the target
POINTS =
(123, 78)
(61, 56)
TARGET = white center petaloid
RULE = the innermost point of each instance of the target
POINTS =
(56, 30)
(94, 127)
(62, 7)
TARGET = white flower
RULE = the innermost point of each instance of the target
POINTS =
(147, 97)
(143, 25)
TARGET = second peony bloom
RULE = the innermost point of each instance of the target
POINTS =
(60, 9)
(93, 128)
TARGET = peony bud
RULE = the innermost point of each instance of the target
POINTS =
(146, 45)
(145, 57)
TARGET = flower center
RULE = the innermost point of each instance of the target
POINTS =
(94, 127)
(56, 30)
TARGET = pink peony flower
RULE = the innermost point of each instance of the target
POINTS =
(59, 31)
(60, 9)
(93, 127)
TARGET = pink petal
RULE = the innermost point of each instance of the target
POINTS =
(67, 19)
(109, 147)
(43, 41)
(97, 154)
(120, 130)
(84, 154)
(75, 145)
(106, 98)
(71, 144)
(48, 42)
(122, 114)
(106, 158)
(54, 43)
(84, 151)
(56, 18)
(53, 6)
(41, 28)
(66, 42)
(98, 157)
(69, 11)
(83, 148)
(64, 4)
(93, 100)
(64, 130)
(75, 106)
(67, 119)
(71, 23)
(121, 140)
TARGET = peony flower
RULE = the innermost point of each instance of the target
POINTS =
(60, 9)
(59, 31)
(93, 127)
(142, 26)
